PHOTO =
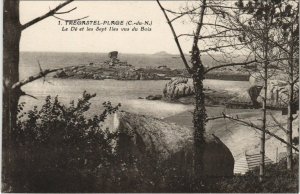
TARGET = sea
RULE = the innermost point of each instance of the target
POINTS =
(128, 93)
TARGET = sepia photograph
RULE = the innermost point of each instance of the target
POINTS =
(156, 96)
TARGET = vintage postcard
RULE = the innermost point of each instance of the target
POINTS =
(150, 96)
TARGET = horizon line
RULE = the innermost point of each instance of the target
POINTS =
(167, 53)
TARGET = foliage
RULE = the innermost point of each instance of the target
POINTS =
(277, 180)
(57, 148)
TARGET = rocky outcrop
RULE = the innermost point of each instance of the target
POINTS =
(277, 90)
(254, 92)
(178, 87)
(278, 94)
(113, 54)
(132, 74)
(154, 97)
(172, 143)
(119, 71)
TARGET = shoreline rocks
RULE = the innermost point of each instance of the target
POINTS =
(178, 87)
(122, 72)
(277, 94)
(114, 68)
(180, 90)
(154, 97)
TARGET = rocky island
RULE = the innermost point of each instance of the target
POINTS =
(119, 70)
(114, 68)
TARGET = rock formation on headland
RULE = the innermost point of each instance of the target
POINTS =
(114, 61)
(177, 88)
(181, 89)
(277, 93)
(113, 55)
(171, 143)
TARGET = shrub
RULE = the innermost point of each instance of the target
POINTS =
(58, 149)
(277, 180)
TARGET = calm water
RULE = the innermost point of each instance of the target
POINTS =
(124, 92)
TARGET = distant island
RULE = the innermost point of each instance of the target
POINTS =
(162, 53)
(114, 68)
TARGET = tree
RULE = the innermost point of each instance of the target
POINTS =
(251, 27)
(258, 24)
(278, 23)
(288, 27)
(208, 28)
(12, 31)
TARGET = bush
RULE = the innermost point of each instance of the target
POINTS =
(58, 149)
(277, 180)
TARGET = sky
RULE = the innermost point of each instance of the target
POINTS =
(47, 35)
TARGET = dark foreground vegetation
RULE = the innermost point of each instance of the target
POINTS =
(59, 149)
(277, 180)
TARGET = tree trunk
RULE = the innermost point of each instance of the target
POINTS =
(289, 135)
(11, 40)
(263, 134)
(264, 110)
(199, 117)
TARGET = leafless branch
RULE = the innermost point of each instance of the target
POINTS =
(229, 65)
(217, 48)
(25, 94)
(277, 123)
(181, 13)
(59, 18)
(256, 127)
(295, 117)
(177, 17)
(214, 118)
(64, 12)
(175, 37)
(50, 13)
(190, 35)
(200, 23)
(34, 77)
